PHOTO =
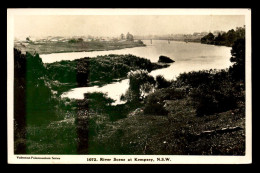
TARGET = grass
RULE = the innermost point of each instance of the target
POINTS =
(61, 47)
(58, 137)
(129, 129)
(179, 133)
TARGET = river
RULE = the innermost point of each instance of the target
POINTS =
(187, 56)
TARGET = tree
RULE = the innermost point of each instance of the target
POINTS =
(122, 36)
(80, 40)
(19, 102)
(28, 39)
(231, 37)
(238, 58)
(226, 38)
(208, 39)
(140, 83)
(129, 37)
(220, 39)
(240, 32)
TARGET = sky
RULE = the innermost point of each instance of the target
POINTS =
(114, 25)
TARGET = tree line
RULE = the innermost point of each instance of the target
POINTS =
(128, 37)
(224, 38)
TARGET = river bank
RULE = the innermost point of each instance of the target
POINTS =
(87, 46)
(90, 72)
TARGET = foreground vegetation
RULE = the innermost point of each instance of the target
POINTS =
(37, 91)
(199, 113)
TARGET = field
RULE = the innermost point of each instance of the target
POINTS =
(87, 46)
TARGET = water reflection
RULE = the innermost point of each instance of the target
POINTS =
(113, 90)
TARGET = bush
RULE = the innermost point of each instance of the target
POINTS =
(140, 84)
(140, 42)
(209, 100)
(154, 103)
(195, 79)
(96, 101)
(73, 41)
(155, 109)
(212, 91)
(161, 82)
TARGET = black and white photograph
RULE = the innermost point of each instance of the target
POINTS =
(129, 86)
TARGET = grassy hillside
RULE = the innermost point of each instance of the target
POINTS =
(165, 122)
(180, 132)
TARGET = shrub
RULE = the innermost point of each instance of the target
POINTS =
(208, 100)
(140, 42)
(155, 109)
(73, 41)
(195, 79)
(154, 103)
(140, 83)
(161, 82)
(212, 91)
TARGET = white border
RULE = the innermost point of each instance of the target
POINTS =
(82, 159)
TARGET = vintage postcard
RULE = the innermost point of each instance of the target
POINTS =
(129, 86)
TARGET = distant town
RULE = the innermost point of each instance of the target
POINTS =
(195, 37)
